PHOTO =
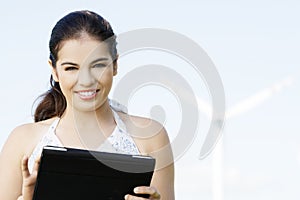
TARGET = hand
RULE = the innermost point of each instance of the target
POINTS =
(152, 191)
(29, 180)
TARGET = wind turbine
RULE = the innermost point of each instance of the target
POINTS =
(236, 110)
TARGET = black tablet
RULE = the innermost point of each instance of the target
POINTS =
(67, 173)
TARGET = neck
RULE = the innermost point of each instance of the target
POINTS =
(92, 125)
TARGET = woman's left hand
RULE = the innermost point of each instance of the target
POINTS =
(152, 191)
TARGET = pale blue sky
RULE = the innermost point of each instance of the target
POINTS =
(254, 45)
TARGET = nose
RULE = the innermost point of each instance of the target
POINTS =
(85, 77)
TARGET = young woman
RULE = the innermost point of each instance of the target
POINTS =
(76, 112)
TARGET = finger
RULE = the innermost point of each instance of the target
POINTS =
(25, 171)
(36, 164)
(144, 190)
(20, 198)
(131, 197)
(152, 191)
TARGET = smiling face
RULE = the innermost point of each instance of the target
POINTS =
(84, 70)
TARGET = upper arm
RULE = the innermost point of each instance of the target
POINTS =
(163, 177)
(152, 139)
(163, 180)
(10, 166)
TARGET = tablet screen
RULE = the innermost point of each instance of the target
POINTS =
(67, 173)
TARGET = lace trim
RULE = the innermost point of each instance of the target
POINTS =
(120, 140)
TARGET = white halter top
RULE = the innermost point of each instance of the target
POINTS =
(119, 141)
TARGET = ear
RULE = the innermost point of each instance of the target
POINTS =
(54, 72)
(115, 66)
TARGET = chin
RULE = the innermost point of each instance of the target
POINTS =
(88, 107)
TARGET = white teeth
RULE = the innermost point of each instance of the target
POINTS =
(87, 93)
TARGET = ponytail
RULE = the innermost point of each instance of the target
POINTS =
(53, 103)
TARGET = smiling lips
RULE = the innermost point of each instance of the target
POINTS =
(87, 94)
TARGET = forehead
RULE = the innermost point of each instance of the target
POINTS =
(82, 50)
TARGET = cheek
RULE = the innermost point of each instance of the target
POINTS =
(67, 82)
(105, 77)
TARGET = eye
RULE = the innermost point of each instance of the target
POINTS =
(99, 65)
(70, 68)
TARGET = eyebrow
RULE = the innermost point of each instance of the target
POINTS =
(68, 63)
(98, 60)
(93, 62)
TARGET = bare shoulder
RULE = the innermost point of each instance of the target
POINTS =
(26, 136)
(149, 134)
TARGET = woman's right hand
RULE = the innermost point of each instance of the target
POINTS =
(29, 180)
